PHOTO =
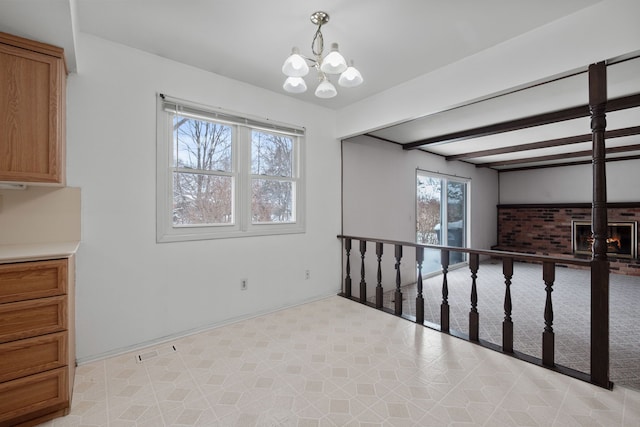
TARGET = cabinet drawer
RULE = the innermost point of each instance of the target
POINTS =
(26, 319)
(32, 355)
(33, 396)
(29, 280)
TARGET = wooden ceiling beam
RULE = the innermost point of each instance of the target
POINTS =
(635, 130)
(613, 150)
(570, 163)
(616, 104)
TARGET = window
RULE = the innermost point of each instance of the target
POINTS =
(221, 175)
(441, 205)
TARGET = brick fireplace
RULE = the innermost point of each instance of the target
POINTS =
(549, 229)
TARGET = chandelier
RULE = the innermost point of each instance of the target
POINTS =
(296, 66)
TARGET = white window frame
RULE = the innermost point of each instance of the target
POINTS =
(242, 225)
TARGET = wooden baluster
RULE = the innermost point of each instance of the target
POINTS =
(473, 314)
(507, 324)
(347, 280)
(599, 264)
(398, 294)
(419, 298)
(548, 275)
(363, 283)
(444, 307)
(379, 286)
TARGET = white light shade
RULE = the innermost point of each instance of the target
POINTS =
(333, 63)
(295, 85)
(351, 77)
(326, 90)
(295, 65)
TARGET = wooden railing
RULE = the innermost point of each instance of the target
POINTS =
(599, 347)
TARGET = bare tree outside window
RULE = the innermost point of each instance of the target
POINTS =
(272, 186)
(202, 180)
(429, 208)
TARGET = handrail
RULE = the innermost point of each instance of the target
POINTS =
(491, 252)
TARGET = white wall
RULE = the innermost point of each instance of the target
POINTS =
(379, 191)
(131, 290)
(570, 184)
(379, 198)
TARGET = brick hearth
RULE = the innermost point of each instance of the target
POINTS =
(546, 229)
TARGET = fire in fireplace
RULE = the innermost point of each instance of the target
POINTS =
(621, 242)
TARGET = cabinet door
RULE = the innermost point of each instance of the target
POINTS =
(32, 86)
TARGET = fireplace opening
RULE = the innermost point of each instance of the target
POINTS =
(621, 241)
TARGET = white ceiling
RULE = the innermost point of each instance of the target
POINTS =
(390, 41)
(248, 40)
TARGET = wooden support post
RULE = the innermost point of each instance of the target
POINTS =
(599, 227)
(379, 250)
(600, 323)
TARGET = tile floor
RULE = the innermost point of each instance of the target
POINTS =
(334, 362)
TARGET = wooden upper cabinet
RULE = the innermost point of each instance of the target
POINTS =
(32, 111)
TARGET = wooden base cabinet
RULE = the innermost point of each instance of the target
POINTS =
(37, 347)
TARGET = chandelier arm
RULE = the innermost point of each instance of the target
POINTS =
(312, 62)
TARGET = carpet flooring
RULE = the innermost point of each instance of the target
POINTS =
(571, 304)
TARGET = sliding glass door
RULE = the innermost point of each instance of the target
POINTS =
(441, 213)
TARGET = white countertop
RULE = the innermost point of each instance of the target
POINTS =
(36, 251)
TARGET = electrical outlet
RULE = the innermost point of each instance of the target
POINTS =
(307, 274)
(244, 283)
